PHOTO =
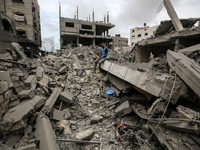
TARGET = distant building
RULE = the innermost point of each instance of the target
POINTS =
(140, 33)
(26, 16)
(74, 31)
(119, 41)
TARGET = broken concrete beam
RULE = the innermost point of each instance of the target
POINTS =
(85, 135)
(187, 69)
(31, 82)
(187, 51)
(15, 118)
(140, 79)
(26, 94)
(45, 134)
(186, 127)
(51, 101)
(186, 113)
(67, 97)
(123, 109)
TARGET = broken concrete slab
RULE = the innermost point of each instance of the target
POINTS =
(31, 82)
(67, 97)
(123, 109)
(5, 76)
(13, 140)
(18, 86)
(4, 147)
(187, 51)
(31, 146)
(3, 86)
(26, 94)
(15, 118)
(58, 115)
(85, 135)
(51, 101)
(187, 69)
(45, 134)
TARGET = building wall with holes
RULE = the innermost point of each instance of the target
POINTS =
(26, 16)
(140, 33)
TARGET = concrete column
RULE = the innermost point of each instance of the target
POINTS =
(104, 33)
(107, 32)
(77, 42)
(199, 23)
(179, 45)
(173, 15)
(107, 43)
(93, 16)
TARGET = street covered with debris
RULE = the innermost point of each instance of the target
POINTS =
(144, 98)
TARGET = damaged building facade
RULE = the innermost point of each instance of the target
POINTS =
(75, 31)
(26, 16)
(119, 41)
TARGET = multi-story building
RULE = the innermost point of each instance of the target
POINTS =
(75, 31)
(140, 33)
(26, 16)
(119, 41)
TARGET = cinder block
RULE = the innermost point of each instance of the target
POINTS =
(67, 97)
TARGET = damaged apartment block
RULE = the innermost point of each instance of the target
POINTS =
(26, 17)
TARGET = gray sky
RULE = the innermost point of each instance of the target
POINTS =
(125, 14)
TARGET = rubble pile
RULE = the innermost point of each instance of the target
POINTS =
(55, 102)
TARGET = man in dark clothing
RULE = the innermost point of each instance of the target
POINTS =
(102, 57)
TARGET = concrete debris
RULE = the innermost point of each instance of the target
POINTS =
(54, 102)
(123, 109)
(85, 135)
(67, 97)
(31, 82)
(45, 134)
(51, 101)
(26, 94)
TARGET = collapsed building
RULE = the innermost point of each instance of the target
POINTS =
(26, 17)
(55, 103)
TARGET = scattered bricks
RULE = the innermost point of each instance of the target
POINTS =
(95, 104)
(58, 115)
(3, 86)
(26, 94)
(123, 109)
(67, 97)
(62, 70)
(13, 140)
(85, 135)
(31, 82)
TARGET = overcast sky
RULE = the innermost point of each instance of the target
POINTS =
(125, 14)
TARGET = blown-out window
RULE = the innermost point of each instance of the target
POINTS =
(21, 33)
(69, 24)
(139, 35)
(21, 1)
(6, 25)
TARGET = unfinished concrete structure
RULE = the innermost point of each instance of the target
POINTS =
(75, 31)
(119, 41)
(26, 16)
(140, 33)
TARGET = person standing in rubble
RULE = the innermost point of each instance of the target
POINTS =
(102, 57)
